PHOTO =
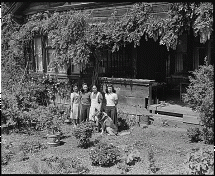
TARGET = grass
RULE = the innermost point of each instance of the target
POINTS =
(169, 144)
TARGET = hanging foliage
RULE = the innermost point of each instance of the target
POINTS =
(74, 39)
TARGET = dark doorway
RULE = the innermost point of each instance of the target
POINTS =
(151, 60)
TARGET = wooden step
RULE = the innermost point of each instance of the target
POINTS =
(170, 111)
(190, 119)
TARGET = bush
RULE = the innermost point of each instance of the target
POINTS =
(130, 155)
(55, 165)
(123, 121)
(124, 167)
(32, 147)
(83, 132)
(208, 135)
(200, 162)
(194, 134)
(104, 154)
(6, 152)
(200, 97)
(27, 102)
(152, 167)
(10, 111)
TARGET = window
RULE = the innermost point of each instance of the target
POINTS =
(38, 54)
(181, 64)
(117, 64)
(49, 59)
(199, 55)
(43, 56)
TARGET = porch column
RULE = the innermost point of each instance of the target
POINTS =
(134, 62)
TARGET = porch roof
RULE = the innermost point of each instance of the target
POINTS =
(20, 9)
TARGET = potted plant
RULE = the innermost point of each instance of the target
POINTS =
(54, 131)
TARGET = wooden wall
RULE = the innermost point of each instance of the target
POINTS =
(101, 10)
(131, 93)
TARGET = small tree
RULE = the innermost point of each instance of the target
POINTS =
(200, 97)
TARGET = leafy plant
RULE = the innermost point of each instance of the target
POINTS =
(207, 135)
(200, 96)
(129, 156)
(6, 157)
(83, 132)
(200, 162)
(124, 167)
(32, 147)
(194, 134)
(57, 165)
(104, 154)
(152, 167)
(7, 154)
(6, 151)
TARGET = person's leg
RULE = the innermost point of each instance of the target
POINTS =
(75, 113)
(115, 117)
(87, 112)
(83, 112)
(80, 114)
(108, 110)
(112, 113)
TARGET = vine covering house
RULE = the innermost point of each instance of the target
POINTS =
(150, 41)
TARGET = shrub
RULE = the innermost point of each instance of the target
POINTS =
(6, 156)
(123, 121)
(10, 112)
(32, 147)
(104, 154)
(200, 96)
(124, 167)
(6, 152)
(194, 134)
(55, 165)
(83, 132)
(130, 155)
(152, 167)
(122, 124)
(208, 135)
(200, 162)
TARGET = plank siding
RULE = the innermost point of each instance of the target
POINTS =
(98, 13)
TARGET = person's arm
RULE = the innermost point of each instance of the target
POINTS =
(80, 97)
(72, 100)
(100, 99)
(116, 99)
(90, 97)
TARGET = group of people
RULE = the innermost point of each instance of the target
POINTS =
(85, 103)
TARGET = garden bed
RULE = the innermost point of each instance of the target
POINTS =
(170, 145)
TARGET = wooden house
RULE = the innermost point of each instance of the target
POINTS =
(153, 64)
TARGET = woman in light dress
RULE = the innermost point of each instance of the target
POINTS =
(96, 103)
(75, 105)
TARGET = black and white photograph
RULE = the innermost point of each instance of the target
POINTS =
(107, 88)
